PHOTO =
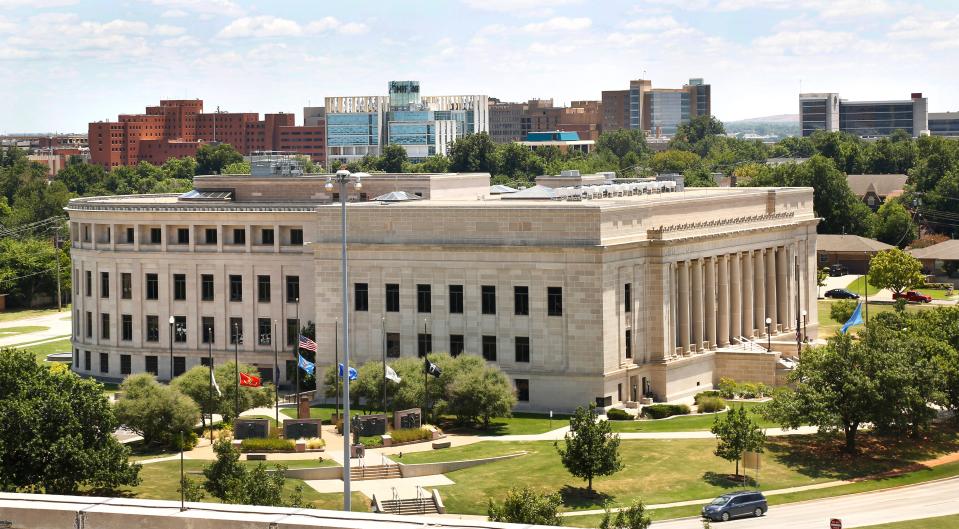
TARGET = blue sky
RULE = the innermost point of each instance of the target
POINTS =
(67, 62)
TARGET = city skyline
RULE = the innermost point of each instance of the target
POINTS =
(105, 58)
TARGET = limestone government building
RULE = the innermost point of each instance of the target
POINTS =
(579, 289)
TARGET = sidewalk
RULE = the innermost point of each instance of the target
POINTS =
(57, 329)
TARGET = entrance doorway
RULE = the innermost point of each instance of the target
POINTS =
(634, 388)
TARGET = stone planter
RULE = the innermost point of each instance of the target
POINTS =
(299, 446)
(387, 439)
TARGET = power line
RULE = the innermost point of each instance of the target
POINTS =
(26, 276)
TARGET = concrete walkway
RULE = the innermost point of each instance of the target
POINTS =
(57, 329)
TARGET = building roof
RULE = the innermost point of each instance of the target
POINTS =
(944, 251)
(397, 196)
(849, 244)
(881, 184)
(499, 189)
(552, 135)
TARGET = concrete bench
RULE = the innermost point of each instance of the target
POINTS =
(441, 444)
(256, 457)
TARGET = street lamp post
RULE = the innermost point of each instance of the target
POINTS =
(341, 178)
(236, 370)
(769, 338)
(171, 347)
(209, 336)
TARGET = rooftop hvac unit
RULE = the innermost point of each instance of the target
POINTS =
(569, 172)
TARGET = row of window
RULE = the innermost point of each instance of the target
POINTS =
(424, 296)
(207, 287)
(179, 329)
(267, 236)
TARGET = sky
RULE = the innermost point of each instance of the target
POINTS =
(64, 63)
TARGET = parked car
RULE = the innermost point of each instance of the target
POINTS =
(912, 297)
(837, 270)
(736, 505)
(841, 293)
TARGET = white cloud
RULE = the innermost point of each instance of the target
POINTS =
(518, 6)
(653, 23)
(270, 26)
(36, 4)
(938, 31)
(174, 13)
(539, 48)
(183, 41)
(6, 25)
(227, 8)
(168, 31)
(808, 42)
(559, 24)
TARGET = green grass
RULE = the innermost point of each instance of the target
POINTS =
(939, 522)
(42, 350)
(687, 423)
(22, 314)
(7, 332)
(829, 326)
(935, 293)
(325, 412)
(518, 424)
(859, 286)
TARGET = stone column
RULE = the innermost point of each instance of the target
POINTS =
(759, 292)
(735, 296)
(697, 303)
(682, 307)
(749, 323)
(772, 288)
(710, 305)
(722, 321)
(782, 289)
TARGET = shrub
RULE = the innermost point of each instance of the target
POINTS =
(762, 390)
(266, 445)
(727, 388)
(748, 390)
(841, 311)
(661, 411)
(617, 414)
(407, 435)
(710, 393)
(372, 442)
(711, 404)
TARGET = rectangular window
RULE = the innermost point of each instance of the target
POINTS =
(206, 287)
(489, 299)
(125, 365)
(521, 301)
(628, 297)
(130, 236)
(105, 325)
(239, 235)
(153, 286)
(457, 344)
(76, 358)
(393, 344)
(105, 285)
(152, 366)
(266, 236)
(361, 298)
(424, 344)
(522, 349)
(296, 236)
(179, 287)
(209, 235)
(292, 289)
(183, 236)
(265, 331)
(263, 289)
(88, 286)
(236, 331)
(423, 293)
(205, 361)
(292, 332)
(489, 348)
(392, 297)
(86, 360)
(456, 299)
(207, 323)
(522, 389)
(126, 285)
(236, 288)
(179, 365)
(155, 235)
(126, 327)
(89, 322)
(629, 343)
(554, 301)
(179, 329)
(76, 282)
(104, 363)
(153, 328)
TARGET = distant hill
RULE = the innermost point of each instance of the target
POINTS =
(779, 118)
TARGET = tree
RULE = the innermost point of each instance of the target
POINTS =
(673, 161)
(195, 384)
(525, 506)
(478, 393)
(392, 159)
(231, 482)
(433, 164)
(622, 142)
(821, 275)
(211, 159)
(473, 153)
(737, 433)
(632, 517)
(700, 128)
(158, 413)
(58, 431)
(896, 270)
(192, 490)
(28, 269)
(840, 311)
(591, 447)
(894, 224)
(249, 397)
(237, 168)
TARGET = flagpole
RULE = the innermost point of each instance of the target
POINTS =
(209, 331)
(384, 363)
(426, 386)
(297, 358)
(276, 375)
(336, 368)
(236, 367)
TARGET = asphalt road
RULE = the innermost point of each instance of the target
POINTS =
(938, 498)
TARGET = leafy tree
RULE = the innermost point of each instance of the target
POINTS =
(528, 507)
(699, 128)
(158, 413)
(211, 159)
(737, 433)
(477, 393)
(195, 384)
(58, 431)
(392, 159)
(623, 142)
(226, 474)
(591, 448)
(512, 159)
(842, 310)
(473, 153)
(249, 397)
(894, 224)
(896, 270)
(83, 178)
(673, 161)
(698, 177)
(632, 517)
(28, 269)
(433, 164)
(821, 275)
(231, 482)
(192, 490)
(237, 168)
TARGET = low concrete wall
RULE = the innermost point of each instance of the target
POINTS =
(315, 473)
(429, 469)
(746, 366)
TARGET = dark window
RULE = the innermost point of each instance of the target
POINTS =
(236, 330)
(489, 348)
(105, 326)
(393, 344)
(86, 360)
(104, 284)
(292, 332)
(126, 327)
(521, 301)
(554, 301)
(264, 331)
(130, 236)
(456, 299)
(361, 298)
(522, 349)
(153, 286)
(155, 235)
(296, 236)
(152, 366)
(125, 365)
(628, 297)
(392, 297)
(423, 298)
(205, 361)
(239, 236)
(207, 287)
(76, 358)
(424, 344)
(629, 343)
(603, 402)
(126, 285)
(104, 363)
(179, 287)
(153, 328)
(290, 369)
(210, 235)
(292, 289)
(457, 344)
(263, 289)
(182, 236)
(89, 323)
(209, 336)
(179, 329)
(76, 282)
(619, 392)
(236, 288)
(522, 389)
(489, 299)
(179, 365)
(266, 236)
(88, 287)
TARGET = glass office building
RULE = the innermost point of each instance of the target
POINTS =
(866, 119)
(944, 124)
(667, 111)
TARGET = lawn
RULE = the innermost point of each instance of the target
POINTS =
(12, 315)
(829, 326)
(325, 412)
(687, 423)
(42, 350)
(935, 293)
(940, 522)
(860, 287)
(7, 332)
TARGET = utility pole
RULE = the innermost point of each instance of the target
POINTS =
(56, 244)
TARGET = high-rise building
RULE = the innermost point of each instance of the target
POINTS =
(944, 124)
(866, 119)
(657, 111)
(423, 125)
(508, 121)
(615, 109)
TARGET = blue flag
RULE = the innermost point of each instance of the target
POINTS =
(306, 365)
(353, 373)
(855, 319)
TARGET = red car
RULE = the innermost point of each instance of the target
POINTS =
(912, 297)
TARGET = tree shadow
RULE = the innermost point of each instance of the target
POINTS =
(582, 497)
(728, 481)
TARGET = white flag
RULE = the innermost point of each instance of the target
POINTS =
(390, 374)
(215, 385)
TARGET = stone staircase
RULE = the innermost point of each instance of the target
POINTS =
(410, 506)
(375, 472)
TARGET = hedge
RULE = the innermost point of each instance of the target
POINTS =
(700, 395)
(408, 435)
(661, 411)
(617, 414)
(711, 404)
(266, 445)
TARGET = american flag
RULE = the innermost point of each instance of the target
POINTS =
(308, 344)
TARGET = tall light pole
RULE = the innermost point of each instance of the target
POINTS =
(769, 337)
(276, 376)
(236, 371)
(342, 177)
(171, 347)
